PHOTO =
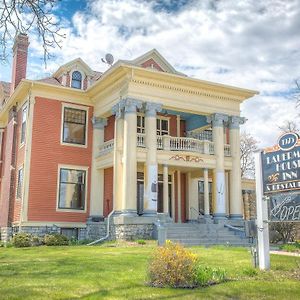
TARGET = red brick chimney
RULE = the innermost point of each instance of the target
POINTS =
(20, 50)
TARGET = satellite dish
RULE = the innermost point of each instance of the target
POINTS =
(109, 59)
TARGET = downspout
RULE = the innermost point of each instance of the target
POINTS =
(107, 231)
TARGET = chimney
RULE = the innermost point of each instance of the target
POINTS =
(20, 50)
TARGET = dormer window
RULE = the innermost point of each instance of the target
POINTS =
(76, 80)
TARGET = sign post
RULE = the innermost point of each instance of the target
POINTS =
(277, 171)
(262, 217)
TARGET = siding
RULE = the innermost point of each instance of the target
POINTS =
(47, 154)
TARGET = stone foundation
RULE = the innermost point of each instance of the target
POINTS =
(6, 234)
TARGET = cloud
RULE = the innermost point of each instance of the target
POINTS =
(251, 44)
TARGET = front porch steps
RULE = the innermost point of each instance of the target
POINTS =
(192, 234)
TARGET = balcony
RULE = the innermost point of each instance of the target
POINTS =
(170, 143)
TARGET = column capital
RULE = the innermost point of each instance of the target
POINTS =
(151, 108)
(236, 121)
(217, 119)
(99, 122)
(117, 110)
(249, 192)
(127, 105)
(131, 105)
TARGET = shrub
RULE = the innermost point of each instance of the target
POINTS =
(141, 242)
(173, 266)
(55, 240)
(22, 239)
(291, 247)
(208, 276)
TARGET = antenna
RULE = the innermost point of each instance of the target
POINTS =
(109, 59)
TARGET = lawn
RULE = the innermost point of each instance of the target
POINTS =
(119, 272)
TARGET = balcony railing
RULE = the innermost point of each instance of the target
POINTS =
(170, 143)
(106, 147)
(227, 150)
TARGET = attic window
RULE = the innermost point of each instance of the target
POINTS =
(76, 80)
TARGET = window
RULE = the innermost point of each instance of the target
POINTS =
(20, 183)
(74, 126)
(140, 124)
(23, 125)
(162, 125)
(72, 189)
(76, 80)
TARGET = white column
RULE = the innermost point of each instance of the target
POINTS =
(179, 197)
(118, 153)
(129, 187)
(206, 193)
(218, 139)
(150, 196)
(97, 176)
(236, 204)
(166, 190)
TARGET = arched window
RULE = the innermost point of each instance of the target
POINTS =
(76, 80)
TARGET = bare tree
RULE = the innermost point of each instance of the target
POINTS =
(21, 16)
(248, 146)
(288, 126)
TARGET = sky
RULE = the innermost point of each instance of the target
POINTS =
(249, 44)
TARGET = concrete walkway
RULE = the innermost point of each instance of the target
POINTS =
(285, 253)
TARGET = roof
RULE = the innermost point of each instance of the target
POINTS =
(50, 80)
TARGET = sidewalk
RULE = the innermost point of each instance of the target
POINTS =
(284, 253)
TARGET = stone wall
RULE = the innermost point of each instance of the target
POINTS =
(5, 234)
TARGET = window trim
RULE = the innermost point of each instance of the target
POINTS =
(86, 108)
(24, 106)
(82, 79)
(78, 168)
(158, 117)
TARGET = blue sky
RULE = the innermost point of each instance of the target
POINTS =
(250, 44)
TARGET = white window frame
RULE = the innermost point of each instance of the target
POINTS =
(82, 78)
(78, 168)
(160, 118)
(157, 118)
(67, 105)
(24, 107)
(20, 197)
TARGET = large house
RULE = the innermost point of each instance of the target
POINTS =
(137, 142)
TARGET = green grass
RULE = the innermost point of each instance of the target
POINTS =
(114, 271)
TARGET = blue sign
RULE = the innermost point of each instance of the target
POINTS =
(281, 178)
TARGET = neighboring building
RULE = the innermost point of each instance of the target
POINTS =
(139, 139)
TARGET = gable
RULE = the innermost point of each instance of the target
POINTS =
(154, 60)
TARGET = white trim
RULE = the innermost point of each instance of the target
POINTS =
(72, 167)
(158, 117)
(17, 181)
(24, 106)
(50, 224)
(82, 78)
(75, 106)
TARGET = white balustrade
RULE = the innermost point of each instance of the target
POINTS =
(160, 145)
(141, 140)
(186, 144)
(227, 150)
(106, 147)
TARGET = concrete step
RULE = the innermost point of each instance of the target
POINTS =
(191, 234)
